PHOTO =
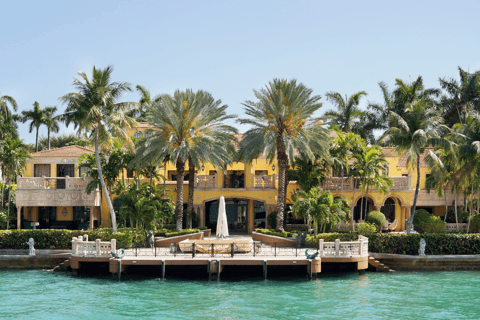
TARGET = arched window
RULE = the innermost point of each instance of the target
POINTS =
(138, 134)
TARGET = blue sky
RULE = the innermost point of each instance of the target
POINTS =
(230, 48)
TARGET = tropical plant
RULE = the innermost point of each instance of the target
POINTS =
(188, 127)
(13, 157)
(140, 111)
(419, 128)
(63, 140)
(37, 117)
(307, 173)
(321, 207)
(282, 123)
(366, 228)
(94, 110)
(348, 111)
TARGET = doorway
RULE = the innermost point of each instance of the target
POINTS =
(237, 215)
(47, 216)
(64, 170)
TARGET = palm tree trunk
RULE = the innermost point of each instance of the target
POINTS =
(179, 205)
(282, 159)
(446, 204)
(456, 213)
(3, 190)
(417, 187)
(353, 206)
(342, 182)
(366, 203)
(48, 138)
(191, 189)
(361, 205)
(102, 183)
(36, 142)
(164, 179)
(9, 197)
(471, 209)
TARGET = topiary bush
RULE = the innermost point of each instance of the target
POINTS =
(376, 218)
(425, 222)
(366, 228)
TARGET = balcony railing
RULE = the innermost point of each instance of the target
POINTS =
(206, 181)
(344, 248)
(49, 183)
(335, 183)
(263, 181)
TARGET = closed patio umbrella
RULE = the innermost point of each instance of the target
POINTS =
(222, 225)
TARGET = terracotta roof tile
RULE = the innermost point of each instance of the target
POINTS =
(64, 152)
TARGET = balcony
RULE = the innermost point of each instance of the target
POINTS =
(204, 182)
(52, 191)
(335, 183)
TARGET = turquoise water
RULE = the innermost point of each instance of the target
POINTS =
(46, 295)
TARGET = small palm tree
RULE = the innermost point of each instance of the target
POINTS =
(37, 117)
(188, 127)
(51, 121)
(94, 109)
(321, 207)
(347, 112)
(419, 128)
(282, 123)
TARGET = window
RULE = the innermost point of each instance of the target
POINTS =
(385, 169)
(261, 172)
(404, 174)
(138, 135)
(129, 174)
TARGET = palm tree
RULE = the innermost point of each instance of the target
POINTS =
(282, 123)
(51, 121)
(13, 156)
(188, 127)
(37, 117)
(347, 112)
(419, 128)
(461, 96)
(4, 102)
(369, 164)
(343, 146)
(140, 111)
(94, 109)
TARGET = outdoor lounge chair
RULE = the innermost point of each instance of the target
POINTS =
(392, 226)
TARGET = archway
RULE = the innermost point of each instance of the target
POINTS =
(388, 209)
(360, 211)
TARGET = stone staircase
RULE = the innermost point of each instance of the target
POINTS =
(379, 267)
(64, 266)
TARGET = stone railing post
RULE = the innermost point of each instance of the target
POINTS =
(80, 238)
(67, 182)
(337, 247)
(74, 246)
(97, 247)
(44, 182)
(113, 244)
(320, 247)
(360, 249)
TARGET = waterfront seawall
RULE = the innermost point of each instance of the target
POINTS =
(400, 262)
(44, 259)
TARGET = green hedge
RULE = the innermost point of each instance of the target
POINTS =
(272, 232)
(58, 239)
(181, 232)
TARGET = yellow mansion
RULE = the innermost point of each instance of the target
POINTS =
(52, 193)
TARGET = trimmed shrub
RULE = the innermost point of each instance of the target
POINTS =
(59, 239)
(475, 223)
(376, 218)
(425, 222)
(367, 227)
(272, 232)
(181, 232)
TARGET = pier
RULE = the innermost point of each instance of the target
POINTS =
(215, 255)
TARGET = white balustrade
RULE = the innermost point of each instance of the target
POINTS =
(344, 249)
(452, 227)
(263, 181)
(32, 183)
(97, 248)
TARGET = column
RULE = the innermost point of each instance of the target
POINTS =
(377, 207)
(92, 214)
(251, 215)
(19, 217)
